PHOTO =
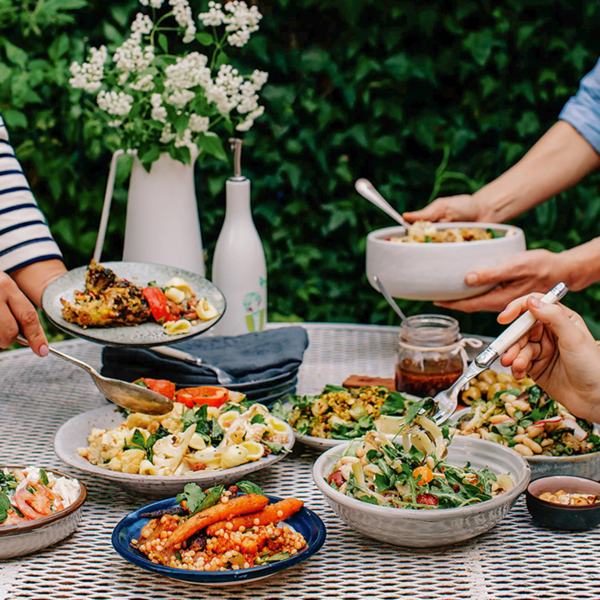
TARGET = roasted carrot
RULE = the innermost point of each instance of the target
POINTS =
(272, 514)
(241, 505)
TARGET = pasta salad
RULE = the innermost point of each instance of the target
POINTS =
(202, 433)
(425, 232)
(408, 470)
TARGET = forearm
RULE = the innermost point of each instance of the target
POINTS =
(34, 278)
(557, 161)
(581, 265)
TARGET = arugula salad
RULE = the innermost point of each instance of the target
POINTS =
(341, 413)
(408, 470)
(531, 423)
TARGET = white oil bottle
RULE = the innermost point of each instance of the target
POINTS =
(239, 268)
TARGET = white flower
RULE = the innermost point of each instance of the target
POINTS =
(115, 103)
(153, 3)
(115, 123)
(183, 15)
(242, 17)
(144, 83)
(198, 123)
(88, 76)
(259, 78)
(179, 98)
(248, 99)
(249, 120)
(131, 57)
(141, 26)
(239, 38)
(188, 72)
(214, 17)
(159, 112)
(167, 134)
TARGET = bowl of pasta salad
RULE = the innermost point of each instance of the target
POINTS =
(430, 262)
(38, 508)
(418, 487)
(208, 440)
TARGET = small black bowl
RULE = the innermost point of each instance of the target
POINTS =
(559, 516)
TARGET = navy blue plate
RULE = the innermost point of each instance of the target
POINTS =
(305, 521)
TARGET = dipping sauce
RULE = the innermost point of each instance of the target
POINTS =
(434, 378)
(428, 360)
(561, 497)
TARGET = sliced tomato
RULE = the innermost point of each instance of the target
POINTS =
(336, 477)
(206, 394)
(428, 499)
(157, 301)
(160, 386)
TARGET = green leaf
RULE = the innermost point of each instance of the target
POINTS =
(43, 477)
(163, 42)
(14, 118)
(211, 144)
(211, 498)
(480, 45)
(15, 55)
(248, 487)
(204, 38)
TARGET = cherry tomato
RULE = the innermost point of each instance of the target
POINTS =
(160, 386)
(336, 477)
(429, 499)
(157, 301)
(206, 394)
(422, 475)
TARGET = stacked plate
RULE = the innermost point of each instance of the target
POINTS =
(265, 391)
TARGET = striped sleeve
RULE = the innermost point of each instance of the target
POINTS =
(24, 234)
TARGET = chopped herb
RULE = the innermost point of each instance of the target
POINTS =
(248, 487)
(257, 419)
(275, 448)
(43, 477)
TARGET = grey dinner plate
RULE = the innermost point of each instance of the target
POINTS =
(146, 334)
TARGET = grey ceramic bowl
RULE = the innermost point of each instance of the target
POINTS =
(437, 271)
(74, 434)
(557, 516)
(25, 538)
(430, 528)
(584, 465)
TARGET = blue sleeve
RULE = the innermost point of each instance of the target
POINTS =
(583, 110)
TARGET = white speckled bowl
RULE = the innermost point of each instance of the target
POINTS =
(430, 528)
(25, 538)
(583, 465)
(74, 434)
(437, 271)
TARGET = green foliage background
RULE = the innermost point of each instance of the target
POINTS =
(357, 88)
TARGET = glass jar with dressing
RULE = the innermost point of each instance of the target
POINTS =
(431, 355)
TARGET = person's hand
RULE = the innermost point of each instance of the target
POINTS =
(521, 274)
(18, 314)
(559, 353)
(444, 210)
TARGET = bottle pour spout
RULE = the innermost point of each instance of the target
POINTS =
(236, 147)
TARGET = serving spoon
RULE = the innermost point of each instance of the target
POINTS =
(127, 395)
(389, 299)
(448, 400)
(367, 190)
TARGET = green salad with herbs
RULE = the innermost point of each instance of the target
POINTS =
(339, 412)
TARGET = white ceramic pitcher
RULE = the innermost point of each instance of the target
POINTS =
(162, 225)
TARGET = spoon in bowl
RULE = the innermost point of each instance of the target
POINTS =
(127, 395)
(367, 190)
(390, 300)
(448, 400)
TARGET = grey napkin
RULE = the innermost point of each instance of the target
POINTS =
(251, 357)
